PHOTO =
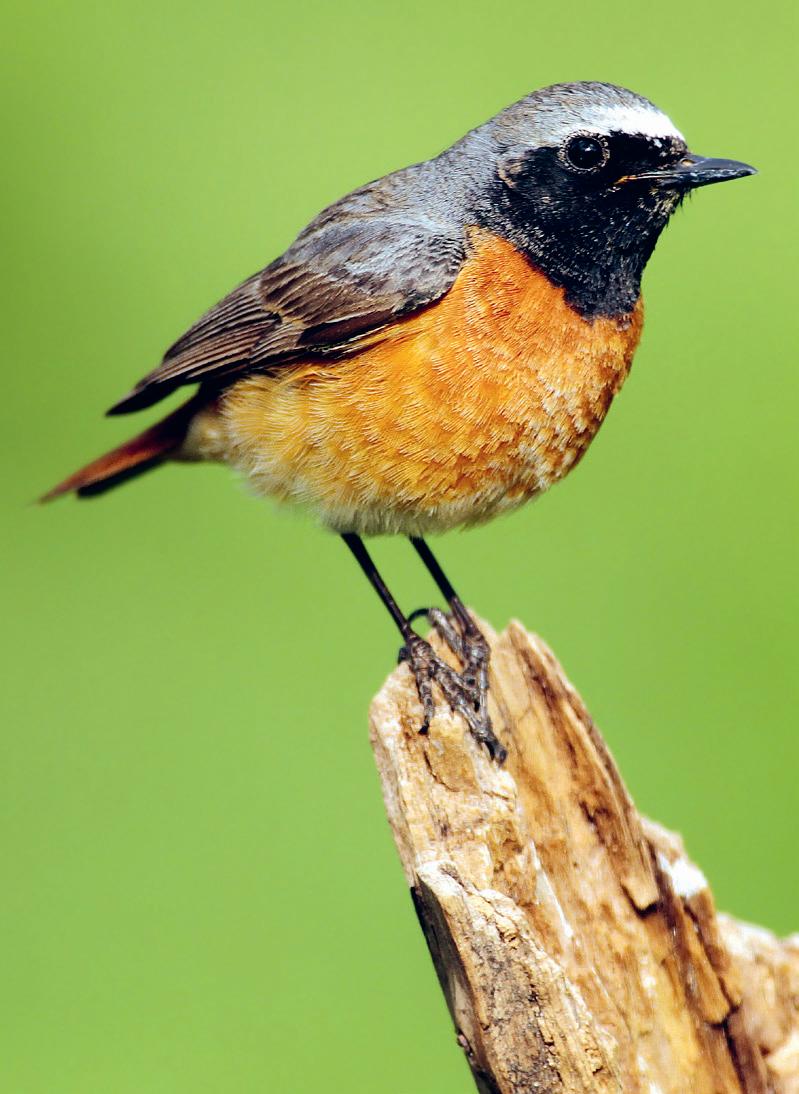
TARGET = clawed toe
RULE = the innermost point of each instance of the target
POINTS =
(465, 692)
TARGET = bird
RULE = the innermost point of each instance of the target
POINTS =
(435, 348)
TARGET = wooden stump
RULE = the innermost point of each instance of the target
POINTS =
(577, 946)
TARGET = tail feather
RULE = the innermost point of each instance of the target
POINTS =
(136, 456)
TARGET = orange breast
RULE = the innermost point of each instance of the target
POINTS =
(467, 408)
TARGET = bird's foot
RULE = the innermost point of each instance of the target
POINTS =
(466, 692)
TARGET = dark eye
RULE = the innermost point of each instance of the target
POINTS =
(585, 153)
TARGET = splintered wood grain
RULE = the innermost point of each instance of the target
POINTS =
(577, 946)
(769, 1018)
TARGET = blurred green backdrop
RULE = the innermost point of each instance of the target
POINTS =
(200, 890)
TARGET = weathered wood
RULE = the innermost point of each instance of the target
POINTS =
(577, 945)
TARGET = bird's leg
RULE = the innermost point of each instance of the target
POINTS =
(417, 652)
(426, 665)
(464, 638)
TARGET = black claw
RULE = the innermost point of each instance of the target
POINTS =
(497, 751)
(466, 693)
(419, 613)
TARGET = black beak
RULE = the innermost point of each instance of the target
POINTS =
(694, 171)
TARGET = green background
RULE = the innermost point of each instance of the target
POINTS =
(200, 892)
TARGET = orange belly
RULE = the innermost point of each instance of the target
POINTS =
(461, 411)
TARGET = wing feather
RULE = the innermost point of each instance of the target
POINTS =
(344, 278)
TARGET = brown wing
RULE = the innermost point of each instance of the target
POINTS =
(344, 278)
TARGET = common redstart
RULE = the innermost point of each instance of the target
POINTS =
(438, 346)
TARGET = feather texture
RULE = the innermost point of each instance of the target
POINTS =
(337, 285)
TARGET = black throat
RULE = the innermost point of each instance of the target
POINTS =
(594, 242)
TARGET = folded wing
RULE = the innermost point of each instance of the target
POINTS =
(344, 280)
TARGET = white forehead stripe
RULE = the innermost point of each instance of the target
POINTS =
(637, 119)
(551, 116)
(641, 120)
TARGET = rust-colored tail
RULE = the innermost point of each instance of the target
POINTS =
(132, 458)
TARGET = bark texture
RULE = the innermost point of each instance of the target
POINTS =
(577, 946)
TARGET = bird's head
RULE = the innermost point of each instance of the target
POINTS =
(584, 178)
